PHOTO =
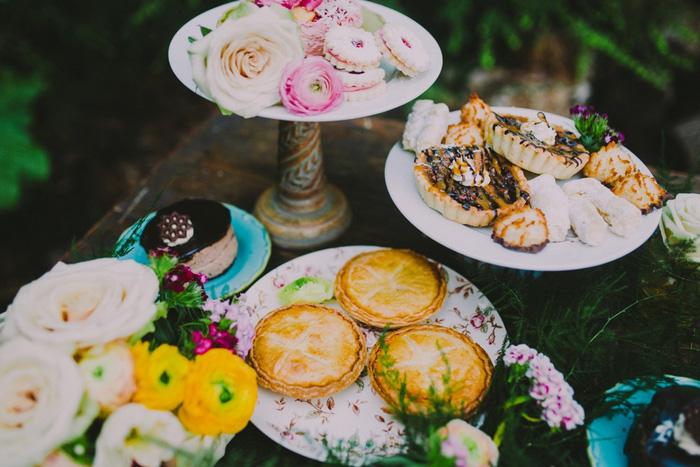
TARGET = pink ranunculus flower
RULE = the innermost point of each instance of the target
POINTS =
(311, 86)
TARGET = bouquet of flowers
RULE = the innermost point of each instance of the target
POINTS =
(264, 52)
(110, 362)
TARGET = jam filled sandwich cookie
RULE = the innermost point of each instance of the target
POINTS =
(198, 230)
(403, 49)
(351, 49)
(363, 85)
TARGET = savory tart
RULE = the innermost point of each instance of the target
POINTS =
(469, 184)
(307, 350)
(390, 287)
(429, 358)
(536, 146)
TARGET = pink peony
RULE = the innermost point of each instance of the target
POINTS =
(311, 86)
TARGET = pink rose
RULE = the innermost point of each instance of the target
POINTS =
(311, 86)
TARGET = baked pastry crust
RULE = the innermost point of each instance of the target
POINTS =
(476, 205)
(390, 287)
(307, 350)
(421, 355)
(562, 159)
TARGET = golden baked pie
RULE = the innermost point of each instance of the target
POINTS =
(422, 356)
(390, 287)
(307, 350)
(536, 146)
(469, 184)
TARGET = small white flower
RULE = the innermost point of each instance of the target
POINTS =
(133, 433)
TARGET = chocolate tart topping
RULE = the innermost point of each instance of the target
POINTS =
(209, 220)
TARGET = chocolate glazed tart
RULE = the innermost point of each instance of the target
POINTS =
(211, 224)
(562, 159)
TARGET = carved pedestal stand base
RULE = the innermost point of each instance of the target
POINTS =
(302, 211)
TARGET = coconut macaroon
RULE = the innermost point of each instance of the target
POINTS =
(609, 163)
(641, 190)
(522, 229)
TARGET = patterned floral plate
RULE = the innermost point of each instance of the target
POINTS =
(354, 423)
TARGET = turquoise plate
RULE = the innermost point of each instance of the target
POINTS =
(607, 434)
(254, 249)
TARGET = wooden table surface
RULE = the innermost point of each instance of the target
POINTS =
(233, 160)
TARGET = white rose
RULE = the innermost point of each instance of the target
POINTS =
(40, 395)
(88, 303)
(134, 433)
(108, 372)
(239, 64)
(680, 221)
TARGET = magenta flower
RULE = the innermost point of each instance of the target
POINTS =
(310, 86)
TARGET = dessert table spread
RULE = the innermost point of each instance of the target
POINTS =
(233, 160)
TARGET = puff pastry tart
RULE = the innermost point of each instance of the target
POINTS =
(536, 146)
(421, 356)
(470, 185)
(390, 287)
(307, 350)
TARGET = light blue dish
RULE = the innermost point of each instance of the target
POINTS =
(254, 249)
(607, 434)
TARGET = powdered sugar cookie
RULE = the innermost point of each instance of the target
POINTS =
(352, 49)
(363, 85)
(403, 49)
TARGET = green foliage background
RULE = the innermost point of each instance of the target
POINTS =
(88, 55)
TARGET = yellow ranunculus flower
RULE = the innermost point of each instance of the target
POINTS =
(160, 376)
(220, 395)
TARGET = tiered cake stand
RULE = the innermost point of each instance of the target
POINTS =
(302, 210)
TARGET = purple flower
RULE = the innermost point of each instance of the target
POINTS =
(554, 396)
(519, 354)
(310, 86)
